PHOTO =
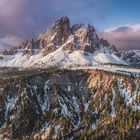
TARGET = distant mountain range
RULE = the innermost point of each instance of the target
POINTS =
(132, 57)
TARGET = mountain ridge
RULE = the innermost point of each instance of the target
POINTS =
(73, 42)
(132, 57)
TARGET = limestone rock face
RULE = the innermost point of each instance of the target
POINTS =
(89, 49)
(104, 42)
(62, 28)
(57, 33)
(48, 49)
(70, 47)
(87, 35)
(61, 33)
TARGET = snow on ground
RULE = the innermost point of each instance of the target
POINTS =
(60, 58)
(19, 60)
(9, 105)
(116, 69)
(64, 59)
(63, 106)
(112, 104)
(108, 58)
(130, 98)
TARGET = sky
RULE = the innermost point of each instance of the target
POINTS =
(118, 21)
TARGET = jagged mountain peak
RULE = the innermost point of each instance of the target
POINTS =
(63, 45)
(57, 34)
(89, 28)
(81, 36)
(76, 27)
(62, 20)
(61, 33)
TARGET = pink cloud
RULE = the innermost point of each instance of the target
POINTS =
(11, 13)
(123, 37)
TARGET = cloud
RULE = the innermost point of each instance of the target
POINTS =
(124, 37)
(10, 41)
(8, 7)
(125, 28)
(11, 11)
(28, 17)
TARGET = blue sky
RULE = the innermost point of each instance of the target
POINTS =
(23, 19)
(110, 13)
(123, 12)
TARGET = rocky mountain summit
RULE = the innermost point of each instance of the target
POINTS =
(73, 38)
(71, 42)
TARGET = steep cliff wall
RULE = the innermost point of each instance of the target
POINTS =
(63, 104)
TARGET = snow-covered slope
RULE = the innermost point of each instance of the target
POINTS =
(132, 57)
(62, 45)
(60, 58)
